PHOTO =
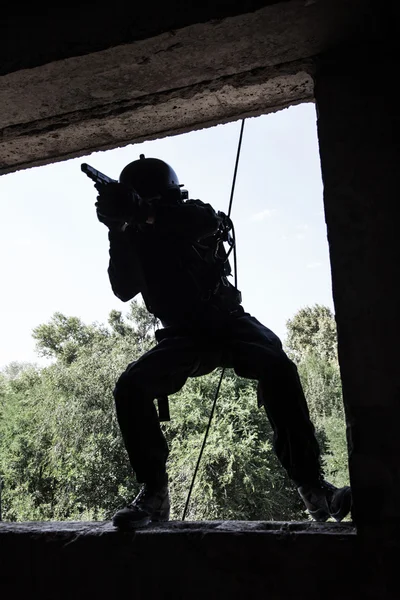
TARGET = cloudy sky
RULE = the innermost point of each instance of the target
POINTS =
(55, 252)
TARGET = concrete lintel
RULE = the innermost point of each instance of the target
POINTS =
(173, 82)
(154, 116)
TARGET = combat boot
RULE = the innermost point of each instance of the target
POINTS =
(149, 505)
(324, 500)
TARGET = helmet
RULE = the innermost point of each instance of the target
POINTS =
(150, 177)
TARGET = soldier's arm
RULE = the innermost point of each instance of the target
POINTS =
(124, 269)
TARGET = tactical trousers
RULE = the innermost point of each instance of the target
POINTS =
(253, 351)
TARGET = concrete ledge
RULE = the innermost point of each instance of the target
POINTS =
(213, 559)
(152, 117)
(96, 528)
(196, 76)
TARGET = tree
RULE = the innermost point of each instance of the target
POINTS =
(61, 452)
(312, 329)
(239, 476)
(312, 343)
(322, 385)
(63, 337)
(15, 368)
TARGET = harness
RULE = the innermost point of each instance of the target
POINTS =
(210, 254)
(211, 279)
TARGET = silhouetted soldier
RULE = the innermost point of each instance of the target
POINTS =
(171, 251)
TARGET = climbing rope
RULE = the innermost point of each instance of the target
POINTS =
(223, 370)
(236, 167)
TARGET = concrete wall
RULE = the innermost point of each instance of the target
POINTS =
(181, 561)
(96, 87)
(358, 127)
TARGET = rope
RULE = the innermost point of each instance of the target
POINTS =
(223, 370)
(203, 445)
(236, 167)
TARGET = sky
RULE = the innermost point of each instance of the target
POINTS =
(54, 251)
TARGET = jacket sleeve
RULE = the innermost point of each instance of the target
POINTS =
(193, 219)
(124, 269)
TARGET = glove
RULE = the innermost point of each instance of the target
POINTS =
(117, 204)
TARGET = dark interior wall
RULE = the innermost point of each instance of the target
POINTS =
(39, 35)
(359, 129)
(182, 561)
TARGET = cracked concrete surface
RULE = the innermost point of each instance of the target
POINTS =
(240, 527)
(193, 77)
(79, 134)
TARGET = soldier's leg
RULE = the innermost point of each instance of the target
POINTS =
(163, 370)
(256, 353)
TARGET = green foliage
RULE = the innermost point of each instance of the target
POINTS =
(238, 477)
(61, 453)
(312, 329)
(62, 337)
(335, 459)
(322, 385)
(15, 368)
(312, 343)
